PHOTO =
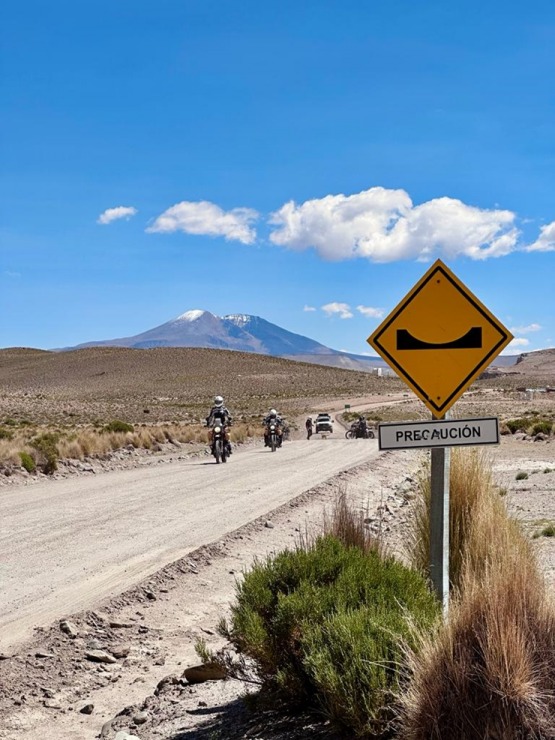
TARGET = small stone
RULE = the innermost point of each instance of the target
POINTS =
(87, 709)
(140, 718)
(100, 656)
(269, 525)
(150, 595)
(204, 672)
(69, 628)
(94, 645)
(52, 704)
(121, 625)
(123, 735)
(120, 651)
(43, 654)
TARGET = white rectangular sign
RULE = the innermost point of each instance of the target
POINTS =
(438, 433)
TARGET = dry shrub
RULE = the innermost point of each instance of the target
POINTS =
(158, 434)
(478, 523)
(89, 441)
(9, 452)
(348, 526)
(240, 432)
(489, 672)
(142, 438)
(93, 443)
(186, 434)
(71, 450)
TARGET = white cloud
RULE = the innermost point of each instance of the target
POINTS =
(383, 225)
(525, 329)
(113, 214)
(205, 218)
(517, 342)
(371, 313)
(343, 310)
(309, 308)
(546, 240)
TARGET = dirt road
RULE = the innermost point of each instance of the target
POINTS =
(66, 544)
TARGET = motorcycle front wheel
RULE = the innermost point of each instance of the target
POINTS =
(273, 442)
(349, 434)
(218, 451)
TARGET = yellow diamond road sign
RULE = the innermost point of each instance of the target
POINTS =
(439, 338)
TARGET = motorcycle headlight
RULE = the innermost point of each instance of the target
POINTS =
(217, 429)
(273, 427)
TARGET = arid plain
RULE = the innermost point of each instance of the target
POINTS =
(163, 614)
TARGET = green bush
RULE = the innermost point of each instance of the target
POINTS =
(519, 425)
(542, 427)
(27, 462)
(46, 445)
(522, 475)
(5, 433)
(118, 426)
(326, 625)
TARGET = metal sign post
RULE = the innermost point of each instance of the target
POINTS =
(439, 522)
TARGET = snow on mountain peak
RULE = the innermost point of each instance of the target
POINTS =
(239, 319)
(191, 315)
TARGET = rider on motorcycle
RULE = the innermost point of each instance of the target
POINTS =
(273, 418)
(219, 413)
(362, 427)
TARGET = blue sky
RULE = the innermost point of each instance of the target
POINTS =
(272, 157)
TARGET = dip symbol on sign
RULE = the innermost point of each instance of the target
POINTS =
(471, 340)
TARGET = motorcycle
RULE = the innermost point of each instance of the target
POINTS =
(359, 432)
(219, 443)
(273, 436)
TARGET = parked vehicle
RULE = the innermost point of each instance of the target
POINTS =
(324, 423)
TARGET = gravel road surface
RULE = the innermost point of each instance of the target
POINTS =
(66, 544)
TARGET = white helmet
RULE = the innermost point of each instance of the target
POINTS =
(273, 412)
(218, 401)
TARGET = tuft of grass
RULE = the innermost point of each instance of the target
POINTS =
(118, 426)
(46, 446)
(547, 531)
(472, 499)
(489, 671)
(542, 427)
(522, 475)
(27, 462)
(349, 527)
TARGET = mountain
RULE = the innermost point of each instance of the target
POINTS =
(246, 333)
(240, 332)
